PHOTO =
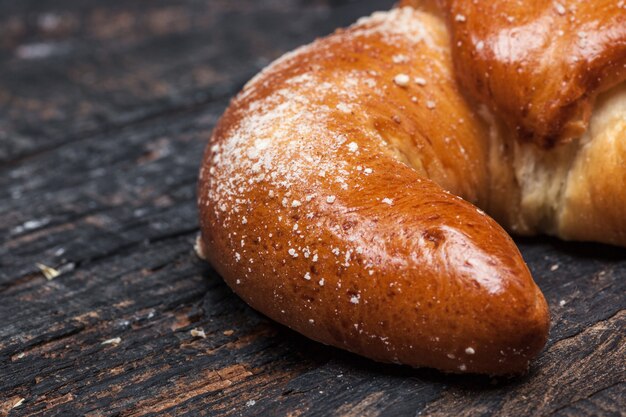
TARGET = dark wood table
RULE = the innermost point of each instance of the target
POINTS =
(105, 108)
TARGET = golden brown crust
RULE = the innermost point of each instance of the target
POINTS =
(539, 65)
(321, 205)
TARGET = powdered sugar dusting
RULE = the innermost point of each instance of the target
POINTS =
(283, 142)
(280, 171)
(401, 21)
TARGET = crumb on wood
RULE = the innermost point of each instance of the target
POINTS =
(113, 341)
(48, 272)
(19, 402)
(198, 333)
(198, 248)
(228, 332)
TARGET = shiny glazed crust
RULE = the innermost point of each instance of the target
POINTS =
(329, 201)
(539, 65)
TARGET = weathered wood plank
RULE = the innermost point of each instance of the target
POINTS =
(132, 257)
(108, 198)
(74, 68)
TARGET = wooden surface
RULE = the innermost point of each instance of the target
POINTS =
(105, 108)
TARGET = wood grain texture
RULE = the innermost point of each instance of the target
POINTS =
(104, 112)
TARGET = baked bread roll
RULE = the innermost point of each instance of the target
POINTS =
(338, 195)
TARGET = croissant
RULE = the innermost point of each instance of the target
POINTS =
(339, 191)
